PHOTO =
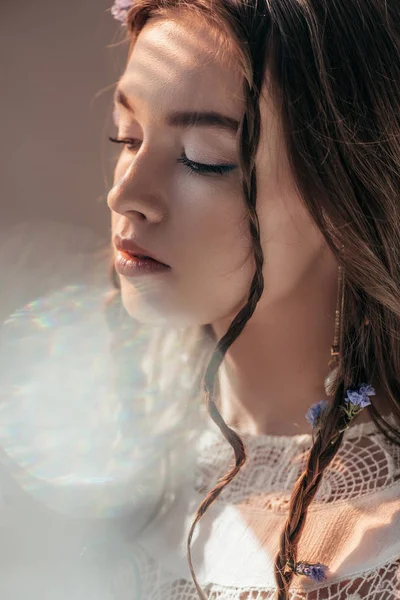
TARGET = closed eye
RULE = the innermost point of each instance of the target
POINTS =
(195, 167)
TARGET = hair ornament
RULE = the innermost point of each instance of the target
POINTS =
(357, 398)
(314, 413)
(315, 571)
(120, 9)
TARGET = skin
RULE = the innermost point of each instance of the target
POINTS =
(197, 224)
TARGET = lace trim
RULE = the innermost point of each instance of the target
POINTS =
(381, 583)
(236, 541)
(365, 463)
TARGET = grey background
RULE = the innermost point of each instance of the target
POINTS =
(59, 63)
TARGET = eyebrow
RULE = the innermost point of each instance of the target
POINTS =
(187, 118)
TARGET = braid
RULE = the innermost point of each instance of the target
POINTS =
(320, 456)
(250, 132)
(323, 449)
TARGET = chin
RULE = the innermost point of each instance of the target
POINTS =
(139, 309)
(154, 310)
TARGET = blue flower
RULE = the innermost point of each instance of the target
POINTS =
(314, 413)
(358, 398)
(316, 572)
(367, 389)
(120, 9)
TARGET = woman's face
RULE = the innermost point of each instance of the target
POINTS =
(197, 222)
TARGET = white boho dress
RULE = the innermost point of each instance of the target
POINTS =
(353, 525)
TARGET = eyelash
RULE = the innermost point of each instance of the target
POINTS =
(195, 168)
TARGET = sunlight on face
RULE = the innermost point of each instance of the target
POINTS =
(193, 221)
(167, 197)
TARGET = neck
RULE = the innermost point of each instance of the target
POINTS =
(276, 368)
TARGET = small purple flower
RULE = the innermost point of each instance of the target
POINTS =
(358, 398)
(316, 572)
(314, 413)
(367, 389)
(120, 9)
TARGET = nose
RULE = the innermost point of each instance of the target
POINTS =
(137, 192)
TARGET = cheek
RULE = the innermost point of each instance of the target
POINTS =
(290, 239)
(213, 223)
(215, 246)
(291, 244)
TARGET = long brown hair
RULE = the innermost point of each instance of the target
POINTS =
(334, 74)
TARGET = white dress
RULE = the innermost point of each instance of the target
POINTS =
(353, 524)
(96, 503)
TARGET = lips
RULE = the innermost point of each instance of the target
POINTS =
(129, 246)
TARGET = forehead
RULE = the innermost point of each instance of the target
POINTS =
(176, 63)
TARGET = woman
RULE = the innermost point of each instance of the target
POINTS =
(260, 163)
(259, 171)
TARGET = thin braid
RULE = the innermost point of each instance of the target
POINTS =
(250, 131)
(306, 487)
(249, 142)
(321, 453)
